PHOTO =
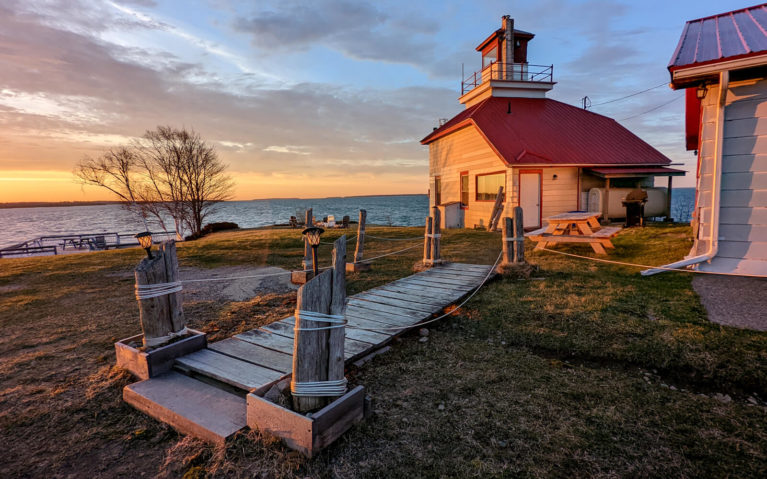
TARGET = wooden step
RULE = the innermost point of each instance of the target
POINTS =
(235, 372)
(188, 405)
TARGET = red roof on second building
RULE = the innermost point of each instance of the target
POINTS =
(727, 36)
(543, 131)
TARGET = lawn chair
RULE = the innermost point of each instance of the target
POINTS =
(330, 222)
(345, 222)
(293, 222)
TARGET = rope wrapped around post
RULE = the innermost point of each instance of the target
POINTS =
(327, 388)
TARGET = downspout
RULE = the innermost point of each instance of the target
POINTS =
(713, 247)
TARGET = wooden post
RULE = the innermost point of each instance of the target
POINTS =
(318, 355)
(338, 307)
(360, 236)
(310, 352)
(519, 235)
(307, 262)
(668, 200)
(427, 241)
(435, 241)
(492, 225)
(508, 241)
(606, 205)
(162, 315)
(358, 265)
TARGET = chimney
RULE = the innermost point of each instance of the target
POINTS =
(508, 46)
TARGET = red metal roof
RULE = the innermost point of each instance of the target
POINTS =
(727, 36)
(541, 131)
(647, 170)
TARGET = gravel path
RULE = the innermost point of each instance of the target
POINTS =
(734, 300)
(242, 289)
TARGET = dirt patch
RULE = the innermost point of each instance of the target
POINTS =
(733, 300)
(246, 283)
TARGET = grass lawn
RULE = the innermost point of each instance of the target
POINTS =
(584, 370)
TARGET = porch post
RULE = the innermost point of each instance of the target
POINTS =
(668, 200)
(605, 215)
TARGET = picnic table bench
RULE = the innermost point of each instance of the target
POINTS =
(578, 227)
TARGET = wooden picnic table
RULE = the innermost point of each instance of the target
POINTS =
(577, 227)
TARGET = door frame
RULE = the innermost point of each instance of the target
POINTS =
(538, 172)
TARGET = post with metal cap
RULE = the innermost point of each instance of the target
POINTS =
(318, 347)
(161, 313)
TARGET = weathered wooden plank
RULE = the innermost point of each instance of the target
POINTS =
(455, 279)
(378, 317)
(228, 370)
(385, 308)
(456, 273)
(465, 267)
(425, 302)
(190, 406)
(268, 339)
(254, 353)
(423, 294)
(372, 338)
(401, 303)
(438, 284)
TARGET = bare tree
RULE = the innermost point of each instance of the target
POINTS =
(166, 173)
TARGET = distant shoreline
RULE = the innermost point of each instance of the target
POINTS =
(54, 204)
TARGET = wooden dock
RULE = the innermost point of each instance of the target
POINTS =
(205, 393)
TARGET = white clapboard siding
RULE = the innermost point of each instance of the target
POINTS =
(743, 198)
(465, 150)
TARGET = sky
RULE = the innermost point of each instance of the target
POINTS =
(306, 99)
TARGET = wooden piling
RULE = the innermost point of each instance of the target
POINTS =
(307, 262)
(519, 235)
(337, 307)
(360, 236)
(162, 315)
(508, 241)
(435, 243)
(310, 352)
(492, 225)
(427, 241)
(318, 354)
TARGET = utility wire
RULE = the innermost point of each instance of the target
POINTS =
(630, 95)
(652, 109)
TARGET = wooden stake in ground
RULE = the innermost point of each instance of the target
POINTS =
(492, 225)
(160, 316)
(519, 235)
(318, 353)
(436, 237)
(508, 241)
(360, 236)
(358, 265)
(307, 262)
(427, 241)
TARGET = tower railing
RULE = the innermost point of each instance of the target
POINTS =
(520, 72)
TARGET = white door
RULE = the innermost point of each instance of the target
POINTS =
(530, 199)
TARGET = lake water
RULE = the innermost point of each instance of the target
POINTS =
(21, 224)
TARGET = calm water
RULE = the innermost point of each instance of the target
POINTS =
(21, 224)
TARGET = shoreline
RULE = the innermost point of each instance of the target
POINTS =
(56, 204)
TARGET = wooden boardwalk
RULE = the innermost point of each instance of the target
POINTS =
(205, 395)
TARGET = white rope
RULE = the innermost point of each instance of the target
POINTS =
(394, 239)
(402, 328)
(389, 254)
(520, 239)
(433, 235)
(336, 320)
(148, 291)
(318, 388)
(622, 263)
(150, 342)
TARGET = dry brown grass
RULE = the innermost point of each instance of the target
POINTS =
(550, 378)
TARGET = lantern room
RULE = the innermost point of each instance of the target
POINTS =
(505, 71)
